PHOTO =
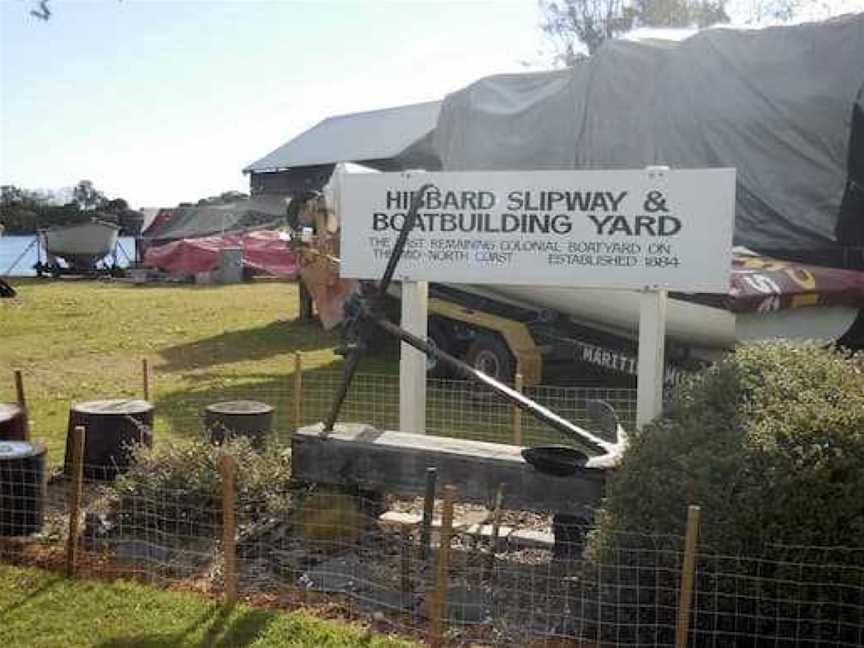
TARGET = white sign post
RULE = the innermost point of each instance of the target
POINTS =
(652, 342)
(649, 230)
(412, 363)
(652, 347)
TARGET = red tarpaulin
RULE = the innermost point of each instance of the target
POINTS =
(265, 252)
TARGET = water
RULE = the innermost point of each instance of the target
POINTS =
(11, 247)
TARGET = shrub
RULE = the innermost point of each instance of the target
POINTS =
(177, 488)
(770, 443)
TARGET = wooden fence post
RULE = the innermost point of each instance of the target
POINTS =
(304, 302)
(22, 401)
(687, 574)
(19, 389)
(428, 512)
(74, 498)
(438, 606)
(229, 552)
(145, 376)
(298, 390)
(517, 414)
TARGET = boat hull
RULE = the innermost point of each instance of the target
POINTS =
(80, 245)
(617, 311)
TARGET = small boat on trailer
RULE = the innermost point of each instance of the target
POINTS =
(767, 299)
(81, 246)
(589, 336)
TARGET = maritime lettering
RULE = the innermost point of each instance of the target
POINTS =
(608, 359)
(621, 362)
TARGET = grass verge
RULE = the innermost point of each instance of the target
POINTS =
(41, 609)
(84, 340)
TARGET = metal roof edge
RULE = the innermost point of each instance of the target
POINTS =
(250, 168)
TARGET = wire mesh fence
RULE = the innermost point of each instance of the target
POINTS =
(488, 577)
(453, 407)
(483, 578)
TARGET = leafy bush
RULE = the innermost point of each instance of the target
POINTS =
(770, 443)
(177, 488)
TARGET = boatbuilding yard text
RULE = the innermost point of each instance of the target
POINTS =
(527, 212)
(620, 228)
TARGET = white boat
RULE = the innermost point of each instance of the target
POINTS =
(617, 311)
(80, 245)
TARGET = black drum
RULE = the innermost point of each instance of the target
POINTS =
(22, 487)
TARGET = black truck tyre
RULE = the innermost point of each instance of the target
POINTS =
(490, 354)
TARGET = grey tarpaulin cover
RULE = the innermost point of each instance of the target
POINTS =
(775, 103)
(259, 212)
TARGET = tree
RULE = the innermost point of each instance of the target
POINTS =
(115, 206)
(24, 211)
(574, 24)
(10, 196)
(680, 13)
(20, 209)
(86, 196)
(758, 11)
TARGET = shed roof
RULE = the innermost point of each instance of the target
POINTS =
(384, 139)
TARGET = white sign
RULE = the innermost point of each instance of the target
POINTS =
(630, 229)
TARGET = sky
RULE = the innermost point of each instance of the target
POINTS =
(161, 102)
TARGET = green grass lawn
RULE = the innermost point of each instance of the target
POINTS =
(40, 609)
(83, 340)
